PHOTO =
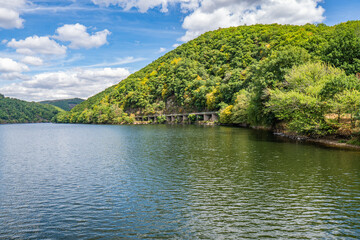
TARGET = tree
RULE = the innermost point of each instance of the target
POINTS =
(350, 103)
(240, 109)
(344, 48)
(303, 114)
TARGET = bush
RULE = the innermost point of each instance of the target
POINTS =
(192, 118)
(240, 110)
(161, 119)
(226, 114)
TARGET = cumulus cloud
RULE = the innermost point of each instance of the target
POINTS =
(8, 65)
(206, 15)
(30, 60)
(78, 37)
(37, 45)
(10, 13)
(226, 13)
(65, 84)
(176, 45)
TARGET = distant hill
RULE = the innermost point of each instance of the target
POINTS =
(65, 104)
(17, 111)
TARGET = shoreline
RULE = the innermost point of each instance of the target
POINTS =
(318, 141)
(296, 138)
(325, 142)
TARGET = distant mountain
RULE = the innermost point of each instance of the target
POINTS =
(65, 104)
(17, 111)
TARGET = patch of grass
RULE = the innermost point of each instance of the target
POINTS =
(354, 141)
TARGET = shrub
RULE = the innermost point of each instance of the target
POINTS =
(161, 119)
(192, 118)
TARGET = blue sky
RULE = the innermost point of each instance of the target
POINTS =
(76, 48)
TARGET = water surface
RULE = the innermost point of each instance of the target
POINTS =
(185, 182)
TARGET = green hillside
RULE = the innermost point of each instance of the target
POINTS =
(65, 104)
(17, 111)
(297, 78)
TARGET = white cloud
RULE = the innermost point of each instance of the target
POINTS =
(14, 76)
(13, 4)
(226, 13)
(176, 45)
(30, 60)
(161, 50)
(65, 84)
(8, 65)
(78, 37)
(142, 5)
(207, 15)
(37, 45)
(145, 5)
(10, 13)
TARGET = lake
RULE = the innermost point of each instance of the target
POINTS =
(61, 181)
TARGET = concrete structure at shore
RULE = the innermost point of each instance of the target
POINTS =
(181, 117)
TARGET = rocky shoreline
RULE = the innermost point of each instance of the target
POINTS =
(324, 141)
(318, 141)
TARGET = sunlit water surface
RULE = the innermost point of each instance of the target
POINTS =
(184, 182)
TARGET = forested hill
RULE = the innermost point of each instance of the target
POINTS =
(18, 111)
(301, 78)
(65, 104)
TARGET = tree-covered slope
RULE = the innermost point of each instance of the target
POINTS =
(18, 111)
(244, 72)
(65, 104)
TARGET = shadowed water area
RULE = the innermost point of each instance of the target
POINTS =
(160, 181)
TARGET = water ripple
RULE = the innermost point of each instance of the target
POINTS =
(143, 182)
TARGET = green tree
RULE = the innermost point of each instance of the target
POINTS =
(350, 103)
(241, 108)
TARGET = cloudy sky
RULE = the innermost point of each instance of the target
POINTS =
(75, 48)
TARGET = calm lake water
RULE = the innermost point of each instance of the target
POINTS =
(183, 182)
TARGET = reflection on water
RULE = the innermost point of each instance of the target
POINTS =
(86, 181)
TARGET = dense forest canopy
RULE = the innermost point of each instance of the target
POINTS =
(18, 111)
(65, 104)
(300, 78)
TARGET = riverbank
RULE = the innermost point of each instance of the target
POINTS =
(340, 143)
(327, 141)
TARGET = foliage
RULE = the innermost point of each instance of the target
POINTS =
(349, 102)
(343, 47)
(17, 111)
(303, 113)
(192, 117)
(240, 110)
(226, 114)
(161, 119)
(309, 95)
